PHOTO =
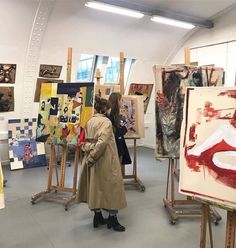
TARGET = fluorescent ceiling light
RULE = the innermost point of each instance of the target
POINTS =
(114, 9)
(172, 22)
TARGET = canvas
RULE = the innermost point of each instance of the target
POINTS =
(64, 110)
(208, 145)
(144, 90)
(50, 71)
(6, 99)
(38, 86)
(132, 112)
(24, 151)
(105, 90)
(2, 203)
(7, 73)
(171, 83)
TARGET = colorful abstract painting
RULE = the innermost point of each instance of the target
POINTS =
(144, 90)
(50, 71)
(38, 86)
(6, 99)
(171, 83)
(208, 145)
(132, 113)
(2, 203)
(105, 90)
(64, 110)
(24, 151)
(7, 73)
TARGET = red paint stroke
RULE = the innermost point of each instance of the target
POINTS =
(229, 93)
(225, 176)
(210, 112)
(192, 133)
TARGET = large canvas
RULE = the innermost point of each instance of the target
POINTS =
(2, 203)
(144, 90)
(208, 145)
(24, 151)
(105, 90)
(6, 99)
(132, 113)
(63, 111)
(171, 83)
(38, 86)
(50, 71)
(7, 73)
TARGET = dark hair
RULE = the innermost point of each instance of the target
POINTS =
(101, 105)
(114, 99)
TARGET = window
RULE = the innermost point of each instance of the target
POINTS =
(86, 67)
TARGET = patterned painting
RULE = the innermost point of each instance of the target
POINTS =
(6, 99)
(171, 83)
(64, 110)
(144, 90)
(38, 86)
(208, 145)
(24, 151)
(7, 73)
(50, 71)
(105, 90)
(2, 203)
(132, 113)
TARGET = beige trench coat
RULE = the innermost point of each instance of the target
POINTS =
(101, 183)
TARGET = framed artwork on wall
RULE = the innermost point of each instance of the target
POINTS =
(7, 73)
(50, 71)
(208, 145)
(6, 99)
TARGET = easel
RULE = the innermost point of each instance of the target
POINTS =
(230, 227)
(59, 192)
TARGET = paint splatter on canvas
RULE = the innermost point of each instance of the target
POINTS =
(50, 71)
(7, 73)
(208, 145)
(63, 111)
(144, 90)
(6, 99)
(24, 151)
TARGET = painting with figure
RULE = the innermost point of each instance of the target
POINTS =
(144, 90)
(6, 99)
(2, 203)
(24, 151)
(105, 90)
(7, 73)
(50, 71)
(171, 83)
(38, 86)
(132, 113)
(208, 145)
(64, 110)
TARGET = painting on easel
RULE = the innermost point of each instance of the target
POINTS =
(132, 113)
(208, 145)
(171, 83)
(144, 90)
(24, 151)
(6, 99)
(50, 71)
(63, 111)
(7, 73)
(105, 90)
(2, 203)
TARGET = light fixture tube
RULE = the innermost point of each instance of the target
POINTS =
(114, 9)
(172, 22)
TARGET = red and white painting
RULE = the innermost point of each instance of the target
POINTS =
(208, 145)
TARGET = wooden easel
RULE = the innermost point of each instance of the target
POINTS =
(59, 192)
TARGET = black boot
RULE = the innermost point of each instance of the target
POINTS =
(112, 222)
(98, 219)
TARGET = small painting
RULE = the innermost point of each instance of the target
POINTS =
(6, 99)
(7, 73)
(50, 71)
(105, 90)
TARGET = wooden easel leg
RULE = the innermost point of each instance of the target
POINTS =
(63, 167)
(135, 160)
(230, 230)
(76, 161)
(172, 170)
(51, 161)
(168, 180)
(204, 218)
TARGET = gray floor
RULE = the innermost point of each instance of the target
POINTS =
(48, 225)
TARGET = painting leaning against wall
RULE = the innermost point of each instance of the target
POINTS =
(6, 99)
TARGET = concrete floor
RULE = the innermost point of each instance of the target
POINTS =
(48, 225)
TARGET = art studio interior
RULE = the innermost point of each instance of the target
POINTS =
(118, 123)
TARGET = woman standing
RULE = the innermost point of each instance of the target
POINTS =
(101, 183)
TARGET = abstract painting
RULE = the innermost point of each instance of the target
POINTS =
(132, 115)
(144, 90)
(64, 110)
(6, 99)
(208, 145)
(2, 204)
(50, 71)
(38, 86)
(105, 90)
(7, 73)
(24, 151)
(171, 83)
